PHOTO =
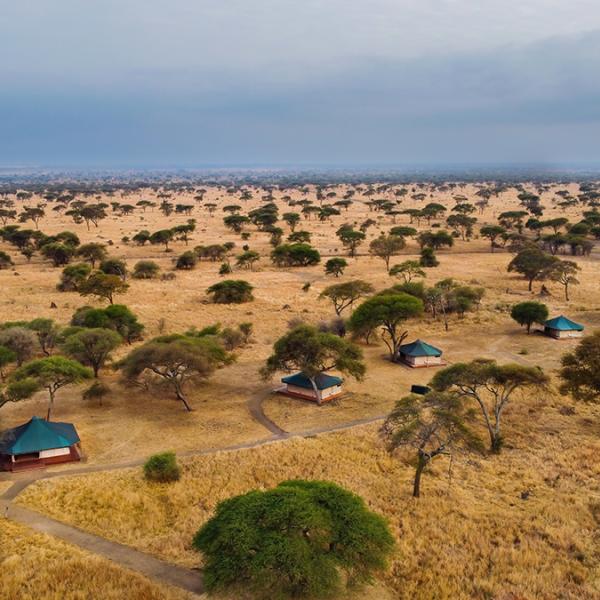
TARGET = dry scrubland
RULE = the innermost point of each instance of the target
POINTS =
(36, 566)
(132, 424)
(473, 537)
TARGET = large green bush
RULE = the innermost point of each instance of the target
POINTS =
(300, 539)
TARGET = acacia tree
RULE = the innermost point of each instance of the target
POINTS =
(335, 266)
(51, 374)
(434, 425)
(580, 370)
(385, 247)
(528, 313)
(387, 311)
(492, 232)
(350, 238)
(344, 295)
(533, 263)
(103, 286)
(92, 252)
(408, 270)
(491, 386)
(313, 352)
(175, 359)
(92, 347)
(564, 272)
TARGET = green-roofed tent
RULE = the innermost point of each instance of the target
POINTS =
(561, 327)
(300, 386)
(37, 443)
(420, 354)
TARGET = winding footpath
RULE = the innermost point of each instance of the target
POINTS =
(126, 556)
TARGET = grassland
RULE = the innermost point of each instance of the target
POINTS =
(472, 537)
(521, 525)
(35, 566)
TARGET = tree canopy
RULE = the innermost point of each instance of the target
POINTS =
(300, 539)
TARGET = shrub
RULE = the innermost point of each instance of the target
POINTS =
(162, 468)
(145, 269)
(187, 260)
(231, 291)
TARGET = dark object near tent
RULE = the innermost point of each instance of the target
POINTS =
(419, 389)
(38, 443)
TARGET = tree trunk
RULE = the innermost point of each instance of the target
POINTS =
(181, 397)
(421, 464)
(316, 391)
(50, 405)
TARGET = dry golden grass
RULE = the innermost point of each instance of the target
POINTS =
(34, 566)
(475, 538)
(133, 424)
(471, 537)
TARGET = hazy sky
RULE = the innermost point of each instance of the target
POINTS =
(241, 82)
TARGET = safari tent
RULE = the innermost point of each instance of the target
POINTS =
(299, 386)
(420, 354)
(561, 327)
(38, 443)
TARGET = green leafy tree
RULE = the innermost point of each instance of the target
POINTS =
(408, 270)
(565, 273)
(20, 340)
(51, 374)
(492, 233)
(491, 386)
(164, 236)
(300, 539)
(335, 266)
(59, 254)
(92, 347)
(434, 425)
(528, 313)
(231, 291)
(344, 295)
(580, 370)
(247, 259)
(175, 359)
(92, 252)
(534, 264)
(313, 352)
(350, 238)
(387, 311)
(103, 286)
(295, 255)
(292, 219)
(386, 246)
(114, 266)
(73, 276)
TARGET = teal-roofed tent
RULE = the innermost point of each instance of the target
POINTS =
(300, 386)
(561, 328)
(38, 443)
(420, 354)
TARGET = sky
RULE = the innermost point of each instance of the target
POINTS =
(192, 83)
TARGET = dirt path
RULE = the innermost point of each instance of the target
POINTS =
(256, 411)
(125, 556)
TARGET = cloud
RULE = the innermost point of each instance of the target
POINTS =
(267, 81)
